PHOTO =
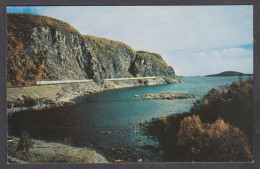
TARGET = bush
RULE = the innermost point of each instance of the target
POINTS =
(143, 81)
(234, 104)
(227, 111)
(68, 141)
(212, 142)
(25, 144)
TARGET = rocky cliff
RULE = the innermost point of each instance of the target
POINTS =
(43, 48)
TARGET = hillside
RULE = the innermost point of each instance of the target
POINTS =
(43, 48)
(218, 127)
(229, 73)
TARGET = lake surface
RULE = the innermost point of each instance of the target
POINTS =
(108, 121)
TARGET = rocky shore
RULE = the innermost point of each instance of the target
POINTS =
(53, 96)
(48, 152)
(47, 49)
(170, 95)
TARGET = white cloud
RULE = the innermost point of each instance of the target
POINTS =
(172, 31)
(177, 27)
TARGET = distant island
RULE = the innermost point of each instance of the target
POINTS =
(229, 73)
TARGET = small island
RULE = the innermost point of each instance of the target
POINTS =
(170, 95)
(229, 73)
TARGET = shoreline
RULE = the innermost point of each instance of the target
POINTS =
(53, 96)
(58, 95)
(52, 152)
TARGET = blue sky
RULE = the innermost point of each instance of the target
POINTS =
(194, 40)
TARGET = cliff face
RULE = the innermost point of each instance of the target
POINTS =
(150, 64)
(107, 58)
(42, 48)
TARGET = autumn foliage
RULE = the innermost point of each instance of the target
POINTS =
(24, 70)
(219, 127)
(233, 103)
(218, 141)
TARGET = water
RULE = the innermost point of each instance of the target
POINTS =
(108, 121)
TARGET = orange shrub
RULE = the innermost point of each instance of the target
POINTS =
(212, 142)
(201, 135)
(8, 84)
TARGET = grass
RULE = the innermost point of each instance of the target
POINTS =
(156, 58)
(47, 91)
(106, 45)
(150, 54)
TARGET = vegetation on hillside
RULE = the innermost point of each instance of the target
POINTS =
(23, 148)
(145, 53)
(156, 59)
(24, 70)
(20, 26)
(158, 66)
(102, 58)
(103, 45)
(219, 127)
(233, 103)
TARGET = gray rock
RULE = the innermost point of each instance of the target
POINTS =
(171, 95)
(70, 55)
(50, 152)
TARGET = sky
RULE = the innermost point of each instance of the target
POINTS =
(194, 40)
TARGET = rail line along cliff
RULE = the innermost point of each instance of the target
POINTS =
(42, 48)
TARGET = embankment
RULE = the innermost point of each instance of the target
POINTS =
(45, 49)
(57, 95)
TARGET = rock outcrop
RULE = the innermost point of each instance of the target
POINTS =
(43, 48)
(150, 64)
(171, 95)
(48, 152)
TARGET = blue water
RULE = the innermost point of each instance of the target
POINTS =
(108, 121)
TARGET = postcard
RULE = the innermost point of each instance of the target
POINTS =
(120, 84)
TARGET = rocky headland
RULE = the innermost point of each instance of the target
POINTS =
(46, 49)
(170, 95)
(43, 48)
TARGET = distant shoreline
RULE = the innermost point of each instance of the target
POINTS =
(229, 73)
